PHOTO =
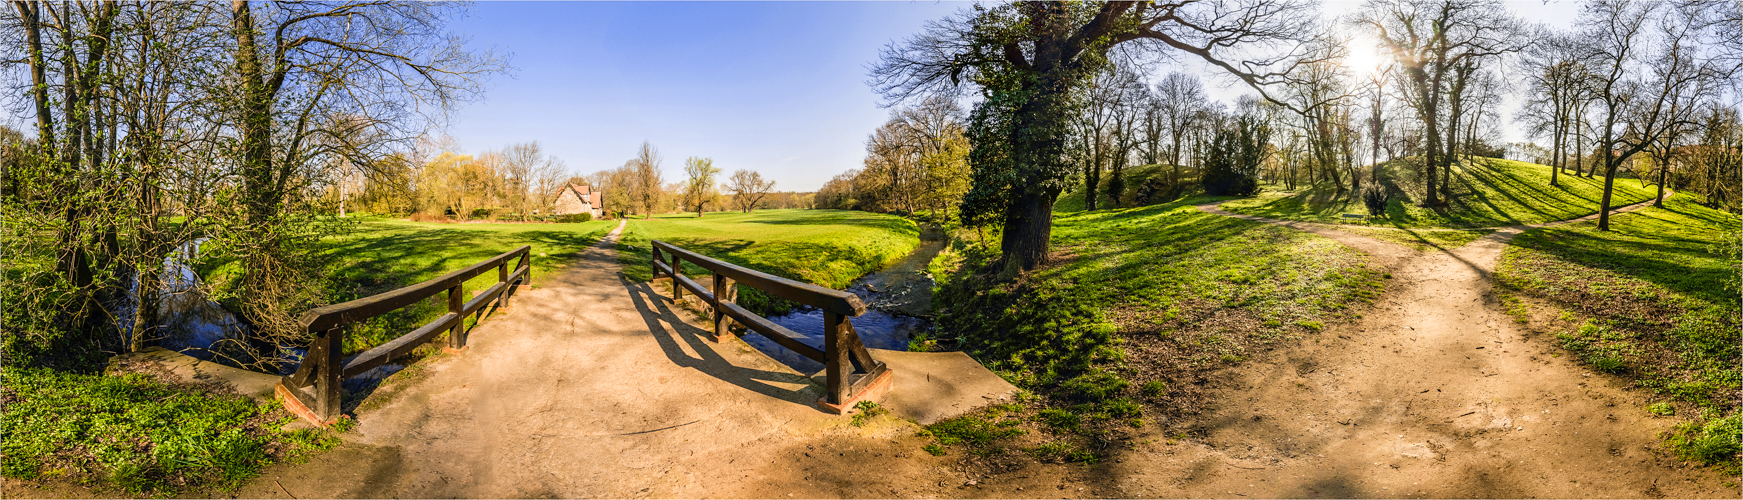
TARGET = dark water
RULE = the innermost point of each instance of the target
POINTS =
(194, 325)
(877, 329)
(895, 299)
(190, 323)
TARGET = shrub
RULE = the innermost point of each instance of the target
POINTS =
(867, 411)
(1233, 156)
(574, 218)
(1374, 197)
(424, 217)
(1157, 189)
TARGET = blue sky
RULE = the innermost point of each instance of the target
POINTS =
(777, 87)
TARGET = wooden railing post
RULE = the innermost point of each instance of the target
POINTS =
(331, 344)
(677, 270)
(724, 292)
(526, 261)
(457, 305)
(837, 366)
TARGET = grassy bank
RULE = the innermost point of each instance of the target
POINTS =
(1134, 193)
(1136, 307)
(829, 248)
(134, 434)
(1653, 301)
(385, 254)
(1485, 192)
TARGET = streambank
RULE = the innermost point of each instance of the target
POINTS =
(898, 300)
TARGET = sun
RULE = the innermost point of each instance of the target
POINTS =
(1364, 58)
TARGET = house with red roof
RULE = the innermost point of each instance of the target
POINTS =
(578, 199)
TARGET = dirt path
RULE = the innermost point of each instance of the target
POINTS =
(1434, 392)
(626, 399)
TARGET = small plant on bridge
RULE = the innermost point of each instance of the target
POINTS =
(867, 410)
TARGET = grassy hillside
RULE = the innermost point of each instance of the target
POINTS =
(826, 247)
(1137, 304)
(1485, 192)
(1653, 301)
(1135, 178)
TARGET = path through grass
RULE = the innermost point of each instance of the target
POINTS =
(385, 254)
(1650, 301)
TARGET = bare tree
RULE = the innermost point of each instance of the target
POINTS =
(748, 188)
(1645, 65)
(699, 186)
(1436, 43)
(1179, 99)
(649, 182)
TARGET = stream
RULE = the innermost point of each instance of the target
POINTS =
(897, 300)
(194, 325)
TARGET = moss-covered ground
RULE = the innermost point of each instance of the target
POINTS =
(1134, 308)
(1654, 300)
(1485, 192)
(830, 248)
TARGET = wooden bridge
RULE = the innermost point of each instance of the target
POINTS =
(313, 391)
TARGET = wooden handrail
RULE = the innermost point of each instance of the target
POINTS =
(322, 366)
(851, 373)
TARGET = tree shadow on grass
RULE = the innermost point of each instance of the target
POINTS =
(1660, 259)
(890, 224)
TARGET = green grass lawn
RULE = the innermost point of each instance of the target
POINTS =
(829, 248)
(1139, 302)
(133, 434)
(1485, 192)
(384, 254)
(1651, 301)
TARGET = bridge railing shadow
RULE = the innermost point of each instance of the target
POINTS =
(674, 334)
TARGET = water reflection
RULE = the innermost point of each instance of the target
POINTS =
(895, 298)
(192, 324)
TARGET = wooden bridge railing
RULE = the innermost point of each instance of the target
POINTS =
(851, 372)
(322, 366)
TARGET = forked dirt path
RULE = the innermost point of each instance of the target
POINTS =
(1434, 392)
(623, 398)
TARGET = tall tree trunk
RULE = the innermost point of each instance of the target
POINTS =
(255, 122)
(31, 13)
(1663, 165)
